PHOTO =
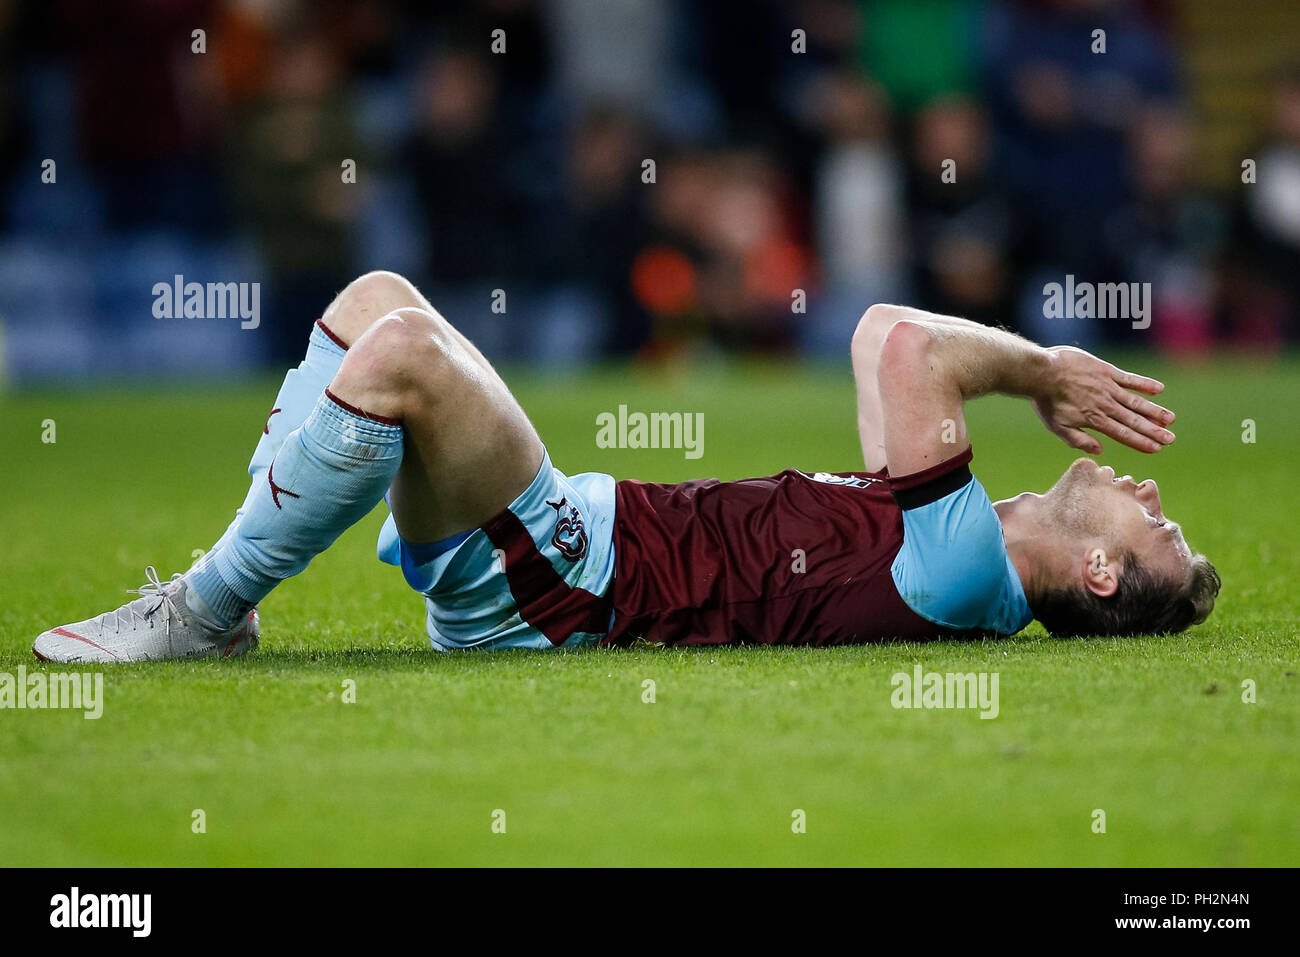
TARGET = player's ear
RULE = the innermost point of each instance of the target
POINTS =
(1100, 576)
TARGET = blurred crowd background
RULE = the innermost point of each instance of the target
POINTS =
(524, 171)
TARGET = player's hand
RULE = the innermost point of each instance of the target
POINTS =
(1081, 392)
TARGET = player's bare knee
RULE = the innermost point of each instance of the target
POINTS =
(398, 356)
(366, 300)
(405, 336)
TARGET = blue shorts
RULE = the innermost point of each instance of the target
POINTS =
(537, 575)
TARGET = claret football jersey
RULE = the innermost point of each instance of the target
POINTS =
(813, 558)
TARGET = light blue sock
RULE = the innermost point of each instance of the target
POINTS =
(328, 474)
(302, 387)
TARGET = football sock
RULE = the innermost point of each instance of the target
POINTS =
(327, 475)
(297, 397)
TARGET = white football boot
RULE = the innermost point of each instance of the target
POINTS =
(168, 620)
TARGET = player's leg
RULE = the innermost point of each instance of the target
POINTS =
(507, 550)
(326, 475)
(472, 449)
(408, 384)
(374, 295)
(361, 303)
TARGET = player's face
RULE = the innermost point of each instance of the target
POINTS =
(1093, 503)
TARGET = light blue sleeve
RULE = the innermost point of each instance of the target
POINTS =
(953, 568)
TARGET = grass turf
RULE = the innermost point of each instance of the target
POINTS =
(1153, 731)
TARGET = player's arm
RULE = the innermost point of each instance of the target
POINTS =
(928, 366)
(868, 339)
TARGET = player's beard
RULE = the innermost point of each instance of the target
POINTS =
(1071, 504)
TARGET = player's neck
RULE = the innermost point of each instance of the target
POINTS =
(1029, 544)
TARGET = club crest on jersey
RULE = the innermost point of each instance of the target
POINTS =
(830, 478)
(570, 538)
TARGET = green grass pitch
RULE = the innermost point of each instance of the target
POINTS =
(1152, 731)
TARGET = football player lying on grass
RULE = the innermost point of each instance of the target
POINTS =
(392, 403)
